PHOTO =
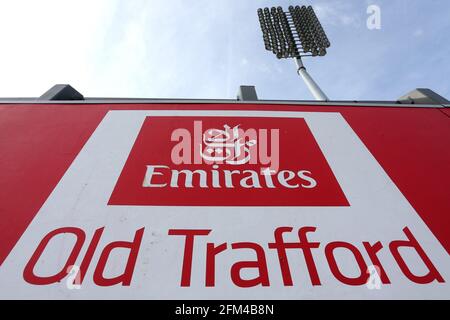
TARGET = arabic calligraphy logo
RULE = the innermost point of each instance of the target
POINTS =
(222, 144)
(227, 146)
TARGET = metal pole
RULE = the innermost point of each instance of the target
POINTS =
(310, 83)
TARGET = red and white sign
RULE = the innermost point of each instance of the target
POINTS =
(151, 202)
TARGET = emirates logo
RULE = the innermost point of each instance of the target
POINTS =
(245, 161)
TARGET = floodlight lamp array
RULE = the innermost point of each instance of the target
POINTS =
(293, 34)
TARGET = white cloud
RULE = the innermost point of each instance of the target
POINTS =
(337, 13)
(47, 42)
(418, 33)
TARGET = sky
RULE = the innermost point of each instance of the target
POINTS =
(205, 49)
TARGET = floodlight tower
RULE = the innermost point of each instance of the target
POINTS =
(295, 34)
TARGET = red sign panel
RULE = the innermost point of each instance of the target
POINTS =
(224, 201)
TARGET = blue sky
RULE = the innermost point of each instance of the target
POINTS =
(206, 49)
